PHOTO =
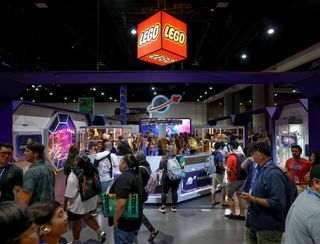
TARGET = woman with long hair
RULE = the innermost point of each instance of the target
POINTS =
(52, 221)
(73, 204)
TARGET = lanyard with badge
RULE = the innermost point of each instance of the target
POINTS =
(1, 173)
(296, 178)
(258, 171)
(310, 192)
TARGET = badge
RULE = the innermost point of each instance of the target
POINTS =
(296, 180)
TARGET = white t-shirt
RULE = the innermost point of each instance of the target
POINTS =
(75, 204)
(104, 165)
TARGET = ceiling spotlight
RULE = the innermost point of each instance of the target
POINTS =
(155, 93)
(200, 96)
(275, 94)
(270, 31)
(133, 31)
(241, 104)
(65, 98)
(244, 56)
(205, 92)
(94, 89)
(198, 100)
(220, 104)
(275, 104)
(152, 88)
(33, 86)
(102, 93)
(74, 100)
(210, 88)
(110, 98)
(250, 101)
(50, 93)
(21, 98)
(37, 89)
(294, 90)
(33, 101)
(115, 100)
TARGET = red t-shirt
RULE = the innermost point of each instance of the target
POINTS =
(232, 165)
(304, 168)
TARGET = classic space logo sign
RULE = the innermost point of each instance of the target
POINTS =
(161, 104)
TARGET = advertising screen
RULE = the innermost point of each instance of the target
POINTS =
(171, 129)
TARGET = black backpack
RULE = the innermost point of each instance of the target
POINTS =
(291, 188)
(241, 174)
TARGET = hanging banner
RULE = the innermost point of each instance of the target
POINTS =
(161, 104)
(162, 39)
(86, 105)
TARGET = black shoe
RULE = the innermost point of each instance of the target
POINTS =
(230, 216)
(103, 237)
(243, 218)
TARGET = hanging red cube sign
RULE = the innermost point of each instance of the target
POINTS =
(162, 39)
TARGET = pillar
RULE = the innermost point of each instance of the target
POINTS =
(258, 101)
(123, 104)
(227, 107)
(314, 118)
(6, 120)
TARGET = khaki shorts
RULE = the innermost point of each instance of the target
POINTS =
(217, 179)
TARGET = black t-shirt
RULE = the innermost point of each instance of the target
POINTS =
(11, 176)
(128, 182)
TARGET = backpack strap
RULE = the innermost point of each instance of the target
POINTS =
(145, 168)
(97, 161)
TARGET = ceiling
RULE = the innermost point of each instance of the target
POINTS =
(83, 35)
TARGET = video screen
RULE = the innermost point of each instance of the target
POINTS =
(170, 129)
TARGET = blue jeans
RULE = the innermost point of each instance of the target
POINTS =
(123, 237)
(105, 185)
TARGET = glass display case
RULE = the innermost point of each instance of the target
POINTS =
(291, 130)
(91, 137)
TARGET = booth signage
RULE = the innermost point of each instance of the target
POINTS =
(161, 104)
(162, 39)
(86, 104)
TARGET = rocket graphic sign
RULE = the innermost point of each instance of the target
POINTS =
(162, 39)
(161, 104)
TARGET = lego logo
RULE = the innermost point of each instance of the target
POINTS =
(161, 58)
(149, 35)
(175, 35)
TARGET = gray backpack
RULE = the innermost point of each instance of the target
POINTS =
(173, 169)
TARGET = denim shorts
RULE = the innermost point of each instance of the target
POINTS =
(124, 237)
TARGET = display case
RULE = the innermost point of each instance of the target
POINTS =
(291, 130)
(210, 134)
(91, 137)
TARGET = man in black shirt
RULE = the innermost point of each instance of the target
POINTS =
(11, 176)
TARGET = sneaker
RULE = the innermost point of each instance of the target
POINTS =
(230, 216)
(162, 209)
(153, 235)
(94, 213)
(243, 218)
(103, 237)
(173, 209)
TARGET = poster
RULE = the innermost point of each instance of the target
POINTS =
(23, 140)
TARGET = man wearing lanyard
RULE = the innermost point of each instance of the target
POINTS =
(298, 168)
(10, 175)
(303, 219)
(267, 199)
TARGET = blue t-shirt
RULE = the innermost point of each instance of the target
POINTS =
(259, 217)
(218, 158)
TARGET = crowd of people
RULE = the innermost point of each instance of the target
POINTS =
(29, 212)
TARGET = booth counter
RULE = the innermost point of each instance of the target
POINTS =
(195, 183)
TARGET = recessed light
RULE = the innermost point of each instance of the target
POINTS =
(50, 93)
(294, 90)
(210, 87)
(102, 93)
(205, 93)
(198, 100)
(270, 31)
(37, 89)
(65, 98)
(250, 101)
(133, 31)
(94, 89)
(200, 96)
(155, 93)
(74, 100)
(244, 56)
(115, 100)
(241, 104)
(275, 104)
(152, 88)
(110, 98)
(21, 98)
(33, 101)
(220, 104)
(33, 86)
(275, 94)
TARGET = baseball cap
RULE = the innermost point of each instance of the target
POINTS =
(36, 147)
(315, 172)
(263, 147)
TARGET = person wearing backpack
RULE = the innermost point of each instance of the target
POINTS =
(170, 178)
(267, 199)
(145, 172)
(217, 176)
(106, 162)
(236, 179)
(76, 207)
(303, 219)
